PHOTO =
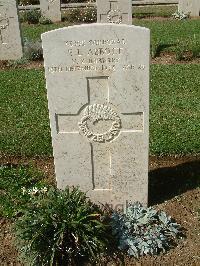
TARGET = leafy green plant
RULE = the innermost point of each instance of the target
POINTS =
(61, 227)
(180, 49)
(33, 50)
(33, 16)
(18, 62)
(23, 16)
(44, 21)
(188, 48)
(13, 182)
(195, 48)
(143, 231)
(155, 47)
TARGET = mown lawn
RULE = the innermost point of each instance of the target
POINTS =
(24, 113)
(171, 33)
(175, 109)
(168, 34)
(154, 11)
(33, 32)
(174, 119)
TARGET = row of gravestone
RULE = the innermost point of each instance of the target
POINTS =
(10, 35)
(108, 11)
(97, 79)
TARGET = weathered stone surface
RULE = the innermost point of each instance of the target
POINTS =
(10, 37)
(97, 79)
(114, 11)
(191, 7)
(51, 9)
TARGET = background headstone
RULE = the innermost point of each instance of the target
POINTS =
(10, 37)
(97, 79)
(51, 9)
(114, 11)
(191, 7)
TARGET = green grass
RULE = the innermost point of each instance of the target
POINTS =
(175, 109)
(174, 120)
(170, 32)
(24, 114)
(33, 32)
(12, 179)
(167, 34)
(154, 11)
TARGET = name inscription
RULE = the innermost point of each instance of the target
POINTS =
(95, 55)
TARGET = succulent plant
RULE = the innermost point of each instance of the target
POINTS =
(141, 231)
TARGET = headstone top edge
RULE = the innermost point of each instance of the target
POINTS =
(101, 25)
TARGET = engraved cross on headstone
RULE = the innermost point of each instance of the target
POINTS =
(114, 15)
(114, 11)
(4, 23)
(100, 123)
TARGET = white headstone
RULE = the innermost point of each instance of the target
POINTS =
(51, 9)
(10, 37)
(114, 11)
(97, 80)
(191, 7)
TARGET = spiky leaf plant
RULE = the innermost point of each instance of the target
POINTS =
(61, 228)
(143, 231)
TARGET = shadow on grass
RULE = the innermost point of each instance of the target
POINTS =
(168, 182)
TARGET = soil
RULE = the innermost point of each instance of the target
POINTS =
(173, 187)
(168, 58)
(5, 65)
